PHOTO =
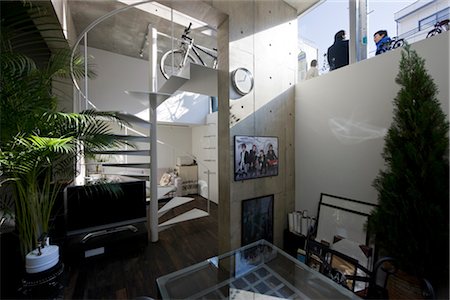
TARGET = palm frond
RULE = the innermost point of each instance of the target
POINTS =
(15, 64)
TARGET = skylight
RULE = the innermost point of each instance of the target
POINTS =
(165, 12)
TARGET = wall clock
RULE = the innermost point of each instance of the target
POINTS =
(242, 80)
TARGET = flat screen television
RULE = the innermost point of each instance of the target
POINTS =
(94, 208)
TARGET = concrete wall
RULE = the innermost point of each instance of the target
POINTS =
(262, 38)
(341, 118)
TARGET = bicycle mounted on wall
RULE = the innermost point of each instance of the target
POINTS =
(174, 60)
(439, 27)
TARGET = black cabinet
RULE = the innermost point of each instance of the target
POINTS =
(293, 241)
(117, 243)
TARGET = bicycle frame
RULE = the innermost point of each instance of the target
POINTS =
(183, 53)
(191, 46)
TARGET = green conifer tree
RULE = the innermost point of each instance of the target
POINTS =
(411, 222)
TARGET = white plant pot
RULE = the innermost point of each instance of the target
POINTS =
(35, 263)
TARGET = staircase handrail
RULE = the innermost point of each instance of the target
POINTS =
(86, 30)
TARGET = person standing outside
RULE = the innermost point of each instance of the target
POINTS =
(312, 72)
(337, 53)
(382, 41)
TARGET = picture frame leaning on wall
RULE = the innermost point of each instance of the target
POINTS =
(257, 219)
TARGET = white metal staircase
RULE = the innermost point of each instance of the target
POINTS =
(172, 85)
(192, 80)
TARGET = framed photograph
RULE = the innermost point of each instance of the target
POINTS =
(257, 220)
(255, 156)
(339, 216)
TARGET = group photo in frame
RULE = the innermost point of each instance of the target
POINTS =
(255, 157)
(257, 220)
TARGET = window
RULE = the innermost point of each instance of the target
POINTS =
(433, 19)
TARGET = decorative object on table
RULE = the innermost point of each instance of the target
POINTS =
(411, 222)
(242, 81)
(39, 144)
(339, 216)
(257, 219)
(255, 156)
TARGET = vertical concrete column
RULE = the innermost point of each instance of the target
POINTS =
(358, 30)
(223, 138)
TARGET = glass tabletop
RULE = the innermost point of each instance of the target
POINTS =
(258, 270)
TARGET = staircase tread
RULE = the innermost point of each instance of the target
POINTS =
(174, 202)
(145, 96)
(128, 165)
(131, 137)
(132, 118)
(123, 152)
(172, 84)
(189, 215)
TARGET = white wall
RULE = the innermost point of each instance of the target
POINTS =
(340, 120)
(204, 147)
(177, 142)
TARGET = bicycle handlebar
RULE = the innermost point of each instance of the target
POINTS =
(188, 29)
(441, 23)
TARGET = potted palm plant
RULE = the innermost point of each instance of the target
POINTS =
(39, 144)
(411, 222)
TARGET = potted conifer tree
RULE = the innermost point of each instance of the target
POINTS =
(411, 222)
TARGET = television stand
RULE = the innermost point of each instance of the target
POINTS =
(127, 239)
(91, 235)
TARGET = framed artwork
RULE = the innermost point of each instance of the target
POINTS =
(255, 156)
(339, 216)
(257, 220)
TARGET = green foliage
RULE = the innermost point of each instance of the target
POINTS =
(39, 144)
(412, 220)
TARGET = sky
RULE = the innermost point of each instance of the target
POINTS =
(319, 25)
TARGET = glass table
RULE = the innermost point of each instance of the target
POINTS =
(256, 271)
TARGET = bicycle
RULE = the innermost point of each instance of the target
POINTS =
(393, 44)
(325, 67)
(173, 61)
(439, 27)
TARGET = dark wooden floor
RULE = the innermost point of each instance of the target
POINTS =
(133, 274)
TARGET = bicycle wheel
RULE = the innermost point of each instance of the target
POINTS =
(433, 32)
(398, 43)
(176, 56)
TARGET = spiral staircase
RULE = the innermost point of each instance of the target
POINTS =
(143, 165)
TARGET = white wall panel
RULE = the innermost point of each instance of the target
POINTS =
(341, 118)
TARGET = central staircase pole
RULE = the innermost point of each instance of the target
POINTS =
(153, 208)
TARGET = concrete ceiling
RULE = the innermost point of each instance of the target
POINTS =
(302, 5)
(124, 33)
